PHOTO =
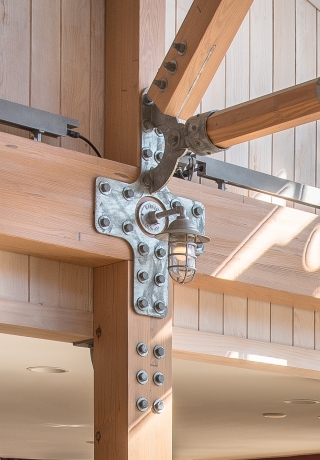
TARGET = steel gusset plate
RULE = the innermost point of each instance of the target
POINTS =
(117, 210)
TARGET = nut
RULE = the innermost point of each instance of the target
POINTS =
(142, 303)
(104, 222)
(159, 279)
(143, 276)
(158, 378)
(127, 227)
(128, 193)
(159, 352)
(142, 377)
(159, 307)
(160, 252)
(147, 154)
(142, 349)
(104, 187)
(142, 404)
(197, 211)
(158, 406)
(143, 249)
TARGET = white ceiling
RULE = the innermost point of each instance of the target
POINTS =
(217, 410)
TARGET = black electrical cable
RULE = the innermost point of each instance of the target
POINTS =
(75, 134)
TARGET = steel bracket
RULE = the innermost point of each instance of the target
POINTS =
(119, 207)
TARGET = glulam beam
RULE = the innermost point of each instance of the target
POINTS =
(265, 115)
(207, 32)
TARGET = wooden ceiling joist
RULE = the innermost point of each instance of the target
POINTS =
(208, 30)
(253, 243)
(265, 115)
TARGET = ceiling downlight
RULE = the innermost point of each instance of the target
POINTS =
(274, 415)
(47, 370)
(302, 401)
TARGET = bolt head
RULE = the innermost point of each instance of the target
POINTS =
(158, 378)
(159, 307)
(104, 222)
(143, 276)
(142, 377)
(127, 227)
(104, 187)
(160, 252)
(197, 211)
(142, 303)
(128, 193)
(158, 406)
(159, 352)
(142, 404)
(143, 249)
(158, 156)
(175, 204)
(147, 154)
(159, 279)
(142, 349)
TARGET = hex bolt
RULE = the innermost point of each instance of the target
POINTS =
(104, 222)
(159, 279)
(142, 349)
(160, 252)
(159, 352)
(146, 99)
(143, 249)
(142, 377)
(158, 379)
(127, 227)
(142, 404)
(180, 47)
(142, 303)
(171, 66)
(104, 187)
(147, 154)
(161, 84)
(143, 276)
(175, 204)
(146, 180)
(128, 193)
(158, 406)
(159, 307)
(197, 211)
(158, 156)
(147, 126)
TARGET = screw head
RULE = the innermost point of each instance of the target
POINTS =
(159, 352)
(158, 378)
(142, 404)
(197, 211)
(128, 193)
(147, 154)
(143, 276)
(143, 249)
(158, 406)
(104, 222)
(105, 187)
(142, 377)
(127, 227)
(159, 279)
(160, 252)
(142, 349)
(159, 307)
(142, 303)
(171, 66)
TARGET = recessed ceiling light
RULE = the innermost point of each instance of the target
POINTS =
(274, 415)
(47, 370)
(89, 442)
(61, 425)
(302, 401)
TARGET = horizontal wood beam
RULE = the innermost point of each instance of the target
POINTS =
(266, 115)
(212, 348)
(208, 30)
(44, 322)
(47, 200)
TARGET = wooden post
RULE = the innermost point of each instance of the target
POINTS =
(134, 50)
(122, 432)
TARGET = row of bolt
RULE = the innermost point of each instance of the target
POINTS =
(142, 377)
(171, 66)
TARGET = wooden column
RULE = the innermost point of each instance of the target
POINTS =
(122, 432)
(134, 50)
